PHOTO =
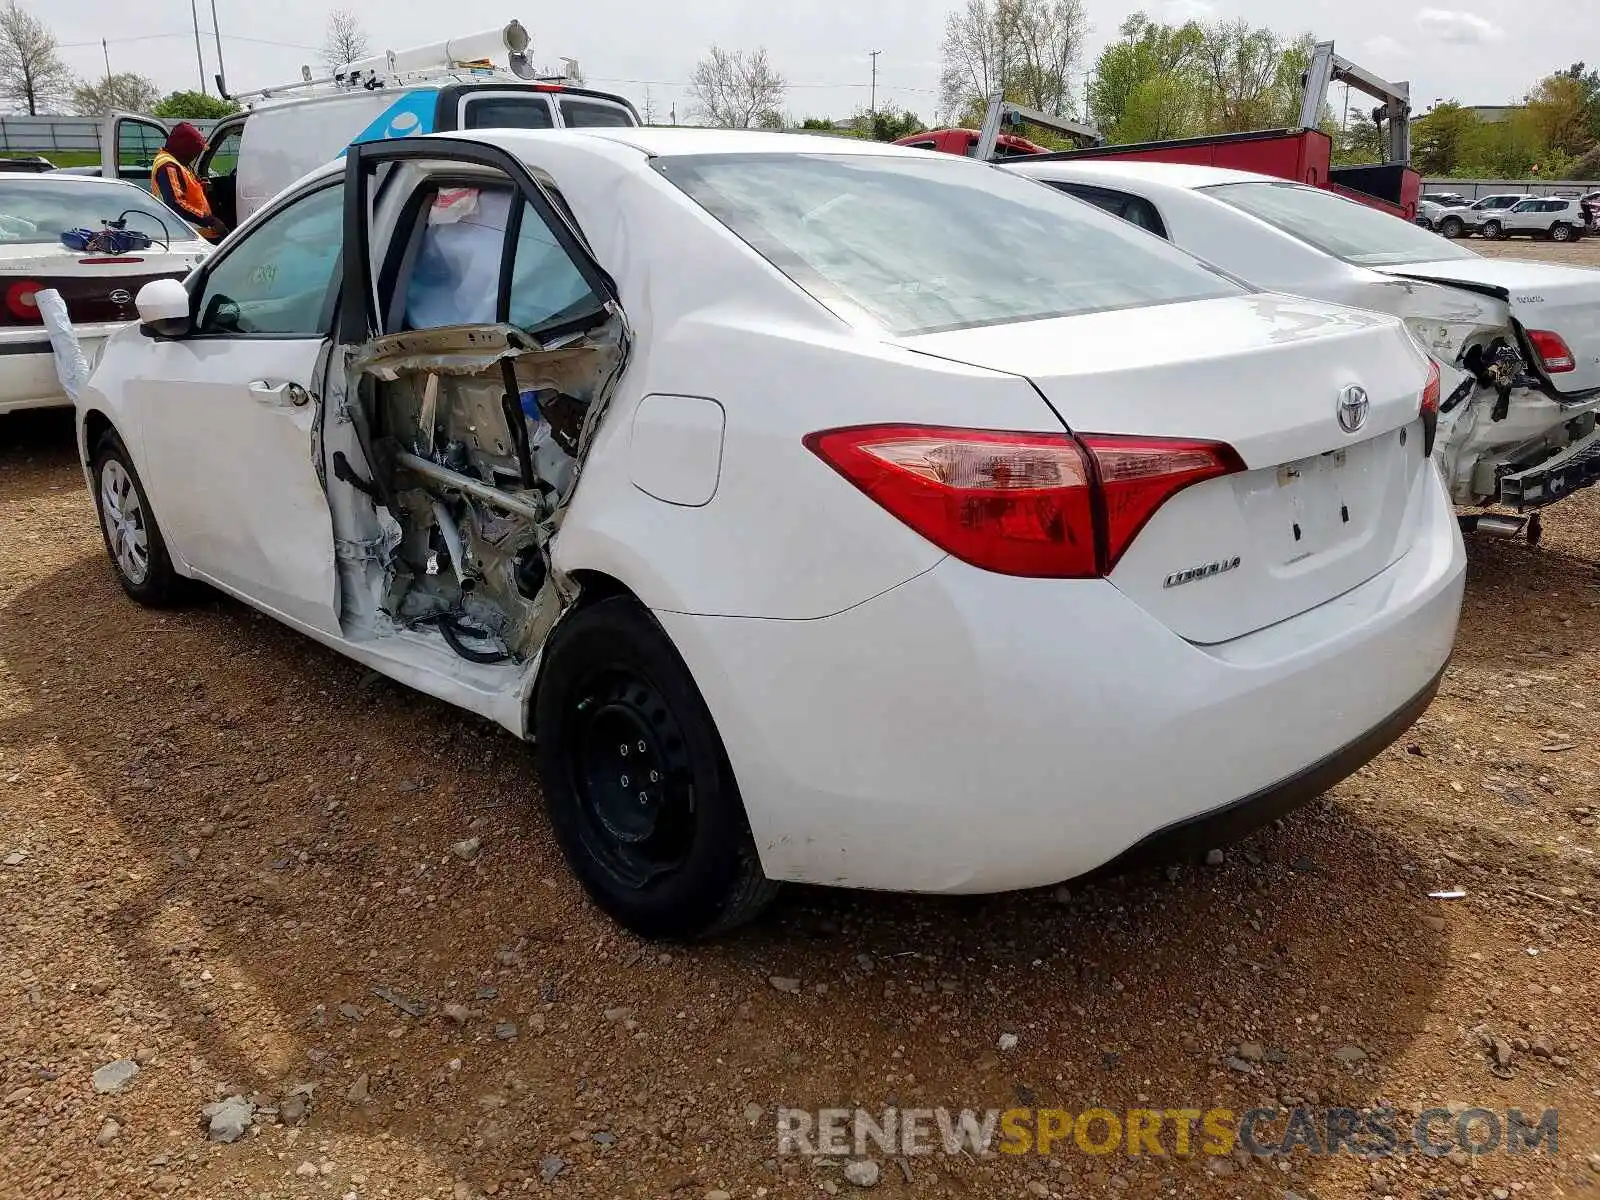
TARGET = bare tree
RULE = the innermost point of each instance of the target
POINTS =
(345, 39)
(1240, 64)
(1028, 50)
(32, 75)
(122, 92)
(979, 55)
(735, 89)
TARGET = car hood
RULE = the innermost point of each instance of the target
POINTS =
(1540, 295)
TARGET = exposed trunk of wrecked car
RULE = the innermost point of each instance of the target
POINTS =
(1507, 434)
(476, 435)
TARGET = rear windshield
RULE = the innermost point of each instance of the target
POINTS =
(920, 245)
(579, 113)
(1337, 226)
(509, 112)
(39, 211)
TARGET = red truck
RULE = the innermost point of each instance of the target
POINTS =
(1304, 155)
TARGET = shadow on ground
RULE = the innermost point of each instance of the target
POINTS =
(290, 820)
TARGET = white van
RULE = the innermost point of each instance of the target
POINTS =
(293, 129)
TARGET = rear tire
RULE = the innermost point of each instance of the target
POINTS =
(1451, 227)
(1561, 232)
(641, 797)
(128, 527)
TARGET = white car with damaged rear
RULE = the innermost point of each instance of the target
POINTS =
(1517, 343)
(97, 286)
(824, 511)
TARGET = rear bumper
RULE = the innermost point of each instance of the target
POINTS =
(970, 732)
(1231, 822)
(28, 369)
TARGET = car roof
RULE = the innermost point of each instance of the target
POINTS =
(1177, 175)
(42, 177)
(676, 142)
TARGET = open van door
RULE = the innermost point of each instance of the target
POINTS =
(128, 145)
(218, 168)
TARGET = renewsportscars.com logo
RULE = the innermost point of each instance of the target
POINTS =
(1263, 1132)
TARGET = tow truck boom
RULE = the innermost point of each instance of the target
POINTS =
(1328, 68)
(1002, 112)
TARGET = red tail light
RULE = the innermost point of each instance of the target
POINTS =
(1552, 350)
(20, 304)
(1429, 409)
(1430, 391)
(1033, 504)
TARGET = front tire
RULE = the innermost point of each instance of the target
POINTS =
(1493, 231)
(128, 527)
(1561, 232)
(1451, 227)
(641, 796)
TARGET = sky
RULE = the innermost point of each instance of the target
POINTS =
(1490, 53)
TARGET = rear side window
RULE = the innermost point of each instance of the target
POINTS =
(579, 112)
(1134, 209)
(509, 112)
(919, 244)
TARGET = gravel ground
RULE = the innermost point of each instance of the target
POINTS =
(232, 857)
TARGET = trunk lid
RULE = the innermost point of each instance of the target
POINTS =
(1562, 299)
(1318, 510)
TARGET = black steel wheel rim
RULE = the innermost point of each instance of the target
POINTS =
(630, 770)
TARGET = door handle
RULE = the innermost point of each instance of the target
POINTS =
(279, 395)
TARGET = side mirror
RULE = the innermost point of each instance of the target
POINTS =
(164, 308)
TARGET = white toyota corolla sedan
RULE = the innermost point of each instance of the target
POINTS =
(824, 511)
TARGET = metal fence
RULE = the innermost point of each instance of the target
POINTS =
(1474, 189)
(75, 135)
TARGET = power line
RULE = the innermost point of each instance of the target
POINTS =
(227, 37)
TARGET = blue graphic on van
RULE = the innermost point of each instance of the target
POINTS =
(406, 117)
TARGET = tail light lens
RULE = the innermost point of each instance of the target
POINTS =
(1429, 409)
(1033, 504)
(21, 307)
(1553, 351)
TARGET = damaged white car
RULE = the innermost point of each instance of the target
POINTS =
(809, 535)
(1518, 343)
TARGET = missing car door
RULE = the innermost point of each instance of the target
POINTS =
(487, 356)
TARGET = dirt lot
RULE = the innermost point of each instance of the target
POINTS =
(228, 857)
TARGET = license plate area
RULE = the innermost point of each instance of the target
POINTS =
(1308, 508)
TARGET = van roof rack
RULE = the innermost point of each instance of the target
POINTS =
(476, 52)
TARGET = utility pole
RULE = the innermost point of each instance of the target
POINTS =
(222, 72)
(873, 107)
(194, 12)
(106, 50)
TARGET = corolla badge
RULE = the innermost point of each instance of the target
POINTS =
(120, 296)
(1353, 406)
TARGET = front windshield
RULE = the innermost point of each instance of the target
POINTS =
(922, 244)
(1336, 226)
(38, 211)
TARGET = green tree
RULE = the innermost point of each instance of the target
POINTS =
(1589, 81)
(1558, 110)
(1440, 140)
(194, 106)
(1144, 84)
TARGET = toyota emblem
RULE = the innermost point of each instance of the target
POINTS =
(1353, 406)
(120, 297)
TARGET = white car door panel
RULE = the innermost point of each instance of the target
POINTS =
(227, 417)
